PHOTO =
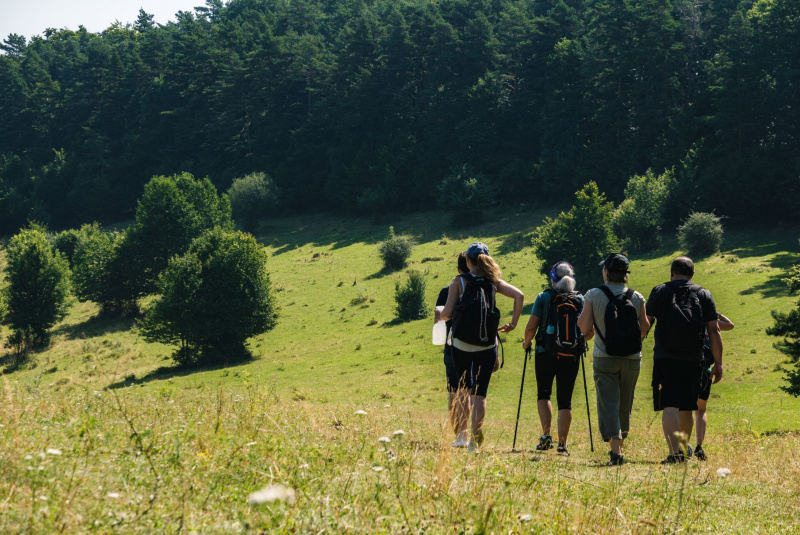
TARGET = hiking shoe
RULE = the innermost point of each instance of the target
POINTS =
(674, 458)
(615, 459)
(473, 447)
(689, 451)
(545, 443)
(700, 454)
(460, 441)
(562, 450)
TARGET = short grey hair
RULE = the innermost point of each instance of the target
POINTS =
(566, 276)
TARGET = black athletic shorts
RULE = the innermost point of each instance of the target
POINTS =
(474, 369)
(676, 383)
(564, 370)
(450, 369)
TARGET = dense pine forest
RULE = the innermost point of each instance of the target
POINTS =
(383, 106)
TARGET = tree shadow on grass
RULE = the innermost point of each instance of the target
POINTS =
(96, 326)
(168, 372)
(774, 286)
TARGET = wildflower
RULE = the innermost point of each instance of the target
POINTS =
(723, 472)
(28, 457)
(112, 495)
(251, 443)
(390, 453)
(43, 498)
(398, 433)
(363, 413)
(377, 468)
(53, 451)
(384, 439)
(272, 493)
(525, 518)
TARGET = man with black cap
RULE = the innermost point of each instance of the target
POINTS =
(684, 311)
(617, 315)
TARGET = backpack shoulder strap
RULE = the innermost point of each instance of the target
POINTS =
(629, 294)
(606, 290)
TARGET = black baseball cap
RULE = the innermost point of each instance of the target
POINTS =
(616, 262)
(477, 248)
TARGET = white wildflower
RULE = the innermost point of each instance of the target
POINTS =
(53, 451)
(41, 455)
(377, 468)
(28, 457)
(398, 433)
(363, 413)
(251, 443)
(723, 472)
(525, 518)
(384, 439)
(272, 493)
(386, 406)
(112, 495)
(43, 498)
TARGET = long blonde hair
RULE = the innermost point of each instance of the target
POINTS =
(486, 267)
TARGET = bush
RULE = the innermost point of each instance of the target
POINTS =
(701, 233)
(410, 298)
(466, 194)
(788, 326)
(640, 216)
(172, 212)
(252, 197)
(583, 236)
(395, 250)
(214, 298)
(38, 286)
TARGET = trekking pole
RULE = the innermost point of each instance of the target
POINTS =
(586, 391)
(521, 386)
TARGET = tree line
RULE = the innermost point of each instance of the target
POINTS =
(349, 105)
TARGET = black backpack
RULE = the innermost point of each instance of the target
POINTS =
(680, 327)
(623, 336)
(562, 337)
(475, 317)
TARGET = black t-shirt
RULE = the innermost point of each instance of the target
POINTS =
(660, 301)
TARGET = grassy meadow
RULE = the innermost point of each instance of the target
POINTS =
(100, 433)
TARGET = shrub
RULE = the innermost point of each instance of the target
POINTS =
(701, 233)
(38, 286)
(466, 194)
(214, 298)
(172, 212)
(788, 326)
(640, 216)
(793, 279)
(583, 236)
(410, 298)
(395, 250)
(252, 197)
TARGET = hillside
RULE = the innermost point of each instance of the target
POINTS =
(145, 447)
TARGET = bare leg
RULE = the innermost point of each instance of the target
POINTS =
(677, 427)
(564, 421)
(616, 446)
(545, 415)
(460, 413)
(478, 414)
(701, 421)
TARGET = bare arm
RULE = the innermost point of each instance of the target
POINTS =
(725, 324)
(530, 330)
(715, 340)
(586, 320)
(513, 292)
(452, 298)
(644, 322)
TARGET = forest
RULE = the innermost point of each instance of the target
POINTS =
(374, 107)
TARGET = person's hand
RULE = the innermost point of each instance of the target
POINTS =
(716, 372)
(437, 315)
(507, 327)
(526, 345)
(496, 364)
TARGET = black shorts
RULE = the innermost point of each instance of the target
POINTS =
(474, 369)
(564, 370)
(705, 384)
(450, 369)
(676, 383)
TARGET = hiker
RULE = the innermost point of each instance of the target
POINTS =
(559, 346)
(476, 322)
(449, 367)
(617, 315)
(700, 416)
(682, 310)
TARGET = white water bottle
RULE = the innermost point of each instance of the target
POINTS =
(439, 331)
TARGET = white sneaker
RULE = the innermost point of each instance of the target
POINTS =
(473, 447)
(461, 440)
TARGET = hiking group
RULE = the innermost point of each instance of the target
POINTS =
(687, 355)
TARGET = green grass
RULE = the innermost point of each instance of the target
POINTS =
(149, 448)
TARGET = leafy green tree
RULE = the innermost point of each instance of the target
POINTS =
(582, 236)
(38, 288)
(640, 216)
(410, 298)
(172, 212)
(788, 326)
(252, 197)
(701, 233)
(213, 298)
(467, 194)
